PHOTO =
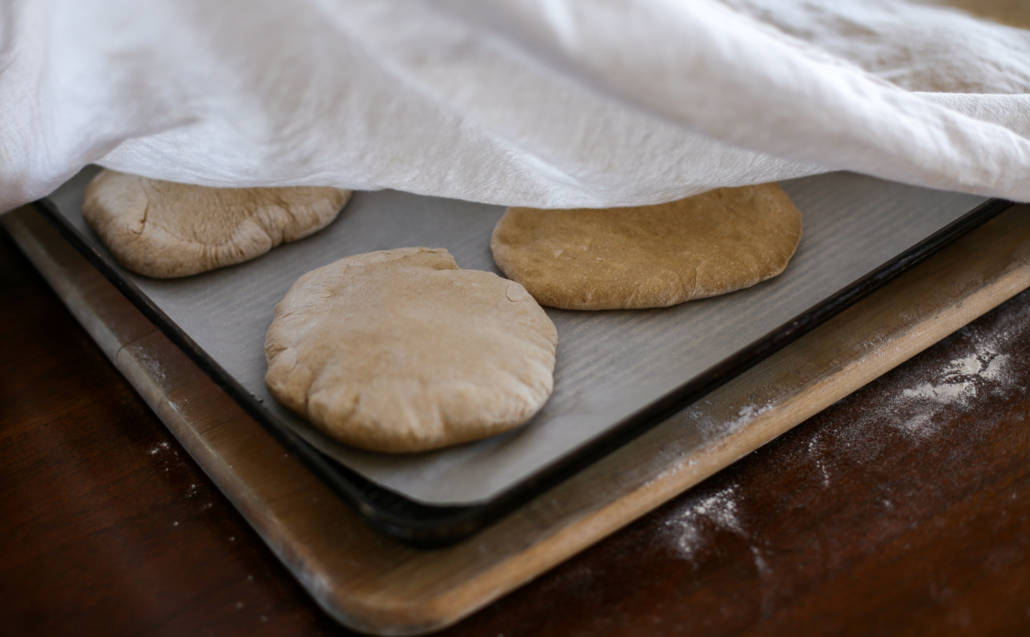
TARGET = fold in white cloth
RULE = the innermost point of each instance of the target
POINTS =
(560, 103)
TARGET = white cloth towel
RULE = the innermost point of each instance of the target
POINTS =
(560, 103)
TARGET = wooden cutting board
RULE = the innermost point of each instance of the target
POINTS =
(374, 584)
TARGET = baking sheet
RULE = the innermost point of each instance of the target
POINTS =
(610, 364)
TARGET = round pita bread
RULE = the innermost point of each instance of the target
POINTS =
(649, 256)
(164, 229)
(400, 350)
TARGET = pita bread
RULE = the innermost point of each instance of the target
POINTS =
(649, 256)
(164, 229)
(400, 350)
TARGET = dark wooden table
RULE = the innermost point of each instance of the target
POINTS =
(904, 508)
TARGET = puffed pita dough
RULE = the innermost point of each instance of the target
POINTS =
(164, 229)
(649, 256)
(400, 350)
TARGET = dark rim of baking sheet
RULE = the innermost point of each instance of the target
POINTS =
(432, 526)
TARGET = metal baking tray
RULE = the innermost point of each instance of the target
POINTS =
(617, 373)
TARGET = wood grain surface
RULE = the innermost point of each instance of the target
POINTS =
(906, 507)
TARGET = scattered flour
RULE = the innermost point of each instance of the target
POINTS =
(152, 365)
(158, 448)
(690, 529)
(945, 393)
(818, 456)
(760, 562)
(165, 455)
(712, 427)
(745, 415)
(687, 528)
(963, 378)
(980, 371)
(965, 365)
(997, 369)
(983, 372)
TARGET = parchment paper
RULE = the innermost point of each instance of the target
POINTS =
(610, 364)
